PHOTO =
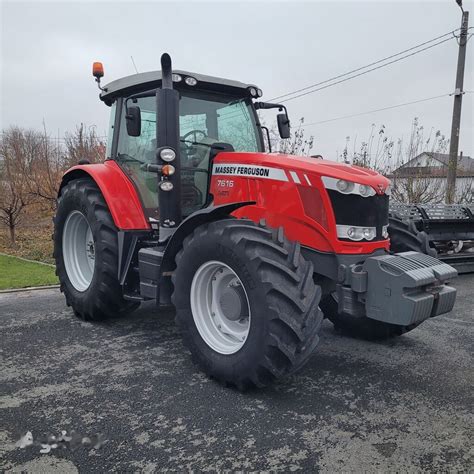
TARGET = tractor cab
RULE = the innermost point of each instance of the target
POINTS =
(214, 114)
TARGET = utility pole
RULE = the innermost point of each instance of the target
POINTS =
(456, 122)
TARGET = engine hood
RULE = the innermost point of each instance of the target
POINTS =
(312, 166)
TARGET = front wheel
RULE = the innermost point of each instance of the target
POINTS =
(246, 302)
(362, 327)
(86, 253)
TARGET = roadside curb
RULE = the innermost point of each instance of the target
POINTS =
(30, 288)
(26, 259)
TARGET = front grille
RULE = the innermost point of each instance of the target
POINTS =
(354, 210)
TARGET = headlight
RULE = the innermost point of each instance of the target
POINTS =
(167, 154)
(369, 233)
(356, 233)
(344, 186)
(176, 78)
(347, 187)
(366, 191)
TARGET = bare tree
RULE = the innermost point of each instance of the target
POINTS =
(15, 162)
(47, 166)
(384, 153)
(387, 156)
(84, 144)
(416, 187)
(297, 144)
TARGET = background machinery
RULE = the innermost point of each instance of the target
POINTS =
(445, 231)
(248, 246)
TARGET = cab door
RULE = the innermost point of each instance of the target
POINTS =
(134, 153)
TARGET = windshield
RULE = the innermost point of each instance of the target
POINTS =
(204, 119)
(218, 118)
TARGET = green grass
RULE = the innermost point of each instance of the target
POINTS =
(16, 273)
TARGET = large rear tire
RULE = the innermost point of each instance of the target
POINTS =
(405, 237)
(363, 328)
(246, 302)
(86, 253)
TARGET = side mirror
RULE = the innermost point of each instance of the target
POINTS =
(283, 125)
(134, 121)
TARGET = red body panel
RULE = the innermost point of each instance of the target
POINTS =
(119, 193)
(280, 197)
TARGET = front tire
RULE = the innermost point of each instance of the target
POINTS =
(274, 305)
(86, 253)
(362, 328)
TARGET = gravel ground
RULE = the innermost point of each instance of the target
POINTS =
(130, 387)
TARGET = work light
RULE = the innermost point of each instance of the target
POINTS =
(191, 81)
(166, 186)
(167, 154)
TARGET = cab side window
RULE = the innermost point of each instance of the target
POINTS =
(141, 148)
(135, 152)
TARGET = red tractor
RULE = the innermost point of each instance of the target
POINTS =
(251, 247)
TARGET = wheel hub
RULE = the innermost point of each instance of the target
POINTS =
(233, 302)
(220, 307)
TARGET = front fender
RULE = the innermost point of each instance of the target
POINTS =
(208, 214)
(118, 191)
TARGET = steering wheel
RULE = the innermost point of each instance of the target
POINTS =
(192, 145)
(195, 133)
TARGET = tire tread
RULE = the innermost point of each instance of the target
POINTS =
(291, 296)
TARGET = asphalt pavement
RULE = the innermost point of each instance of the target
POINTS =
(123, 395)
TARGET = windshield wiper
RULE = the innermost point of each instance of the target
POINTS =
(195, 143)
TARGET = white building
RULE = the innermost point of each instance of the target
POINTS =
(423, 179)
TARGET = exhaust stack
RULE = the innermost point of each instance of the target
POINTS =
(167, 151)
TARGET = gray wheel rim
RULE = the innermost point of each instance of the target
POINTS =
(220, 307)
(78, 251)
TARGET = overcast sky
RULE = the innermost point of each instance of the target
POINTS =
(47, 49)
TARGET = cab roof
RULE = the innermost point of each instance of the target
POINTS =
(152, 80)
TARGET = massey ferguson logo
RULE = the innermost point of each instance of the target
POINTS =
(242, 170)
(249, 171)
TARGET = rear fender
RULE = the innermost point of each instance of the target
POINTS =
(118, 191)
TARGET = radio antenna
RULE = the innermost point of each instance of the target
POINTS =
(134, 65)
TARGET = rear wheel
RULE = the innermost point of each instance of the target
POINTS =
(405, 237)
(86, 253)
(246, 302)
(364, 328)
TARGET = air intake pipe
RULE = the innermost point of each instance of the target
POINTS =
(168, 151)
